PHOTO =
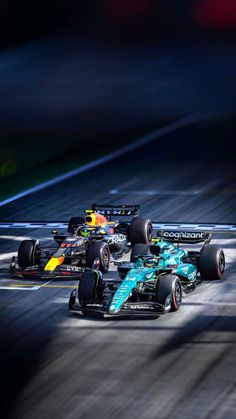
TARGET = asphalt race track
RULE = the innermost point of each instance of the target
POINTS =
(181, 365)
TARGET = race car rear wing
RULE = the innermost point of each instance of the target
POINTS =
(191, 237)
(119, 210)
(207, 227)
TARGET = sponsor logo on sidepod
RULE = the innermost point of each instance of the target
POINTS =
(116, 239)
(192, 275)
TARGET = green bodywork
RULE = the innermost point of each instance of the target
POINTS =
(171, 260)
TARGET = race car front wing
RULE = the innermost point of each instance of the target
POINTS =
(62, 271)
(128, 308)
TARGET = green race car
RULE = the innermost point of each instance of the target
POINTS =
(154, 280)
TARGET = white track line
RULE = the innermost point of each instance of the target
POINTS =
(217, 228)
(37, 287)
(6, 256)
(26, 224)
(21, 238)
(19, 288)
(154, 192)
(161, 132)
(26, 288)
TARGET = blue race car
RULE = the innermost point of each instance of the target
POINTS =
(155, 278)
(90, 241)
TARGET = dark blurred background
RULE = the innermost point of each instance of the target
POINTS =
(26, 20)
(76, 74)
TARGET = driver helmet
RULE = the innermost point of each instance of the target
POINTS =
(150, 263)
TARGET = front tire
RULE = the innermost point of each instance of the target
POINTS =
(169, 286)
(88, 284)
(211, 262)
(98, 250)
(28, 254)
(140, 231)
(88, 288)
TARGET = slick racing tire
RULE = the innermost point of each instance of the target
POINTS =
(169, 285)
(28, 254)
(211, 262)
(98, 250)
(88, 284)
(89, 288)
(72, 300)
(74, 223)
(139, 249)
(140, 231)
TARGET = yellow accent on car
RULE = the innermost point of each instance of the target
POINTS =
(53, 263)
(96, 219)
(91, 219)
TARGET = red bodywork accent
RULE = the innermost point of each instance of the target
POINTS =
(216, 13)
(26, 272)
(67, 245)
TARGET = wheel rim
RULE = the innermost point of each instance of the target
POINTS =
(105, 259)
(178, 294)
(221, 262)
(149, 233)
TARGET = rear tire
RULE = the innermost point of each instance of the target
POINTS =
(139, 249)
(140, 231)
(211, 262)
(28, 254)
(98, 250)
(169, 285)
